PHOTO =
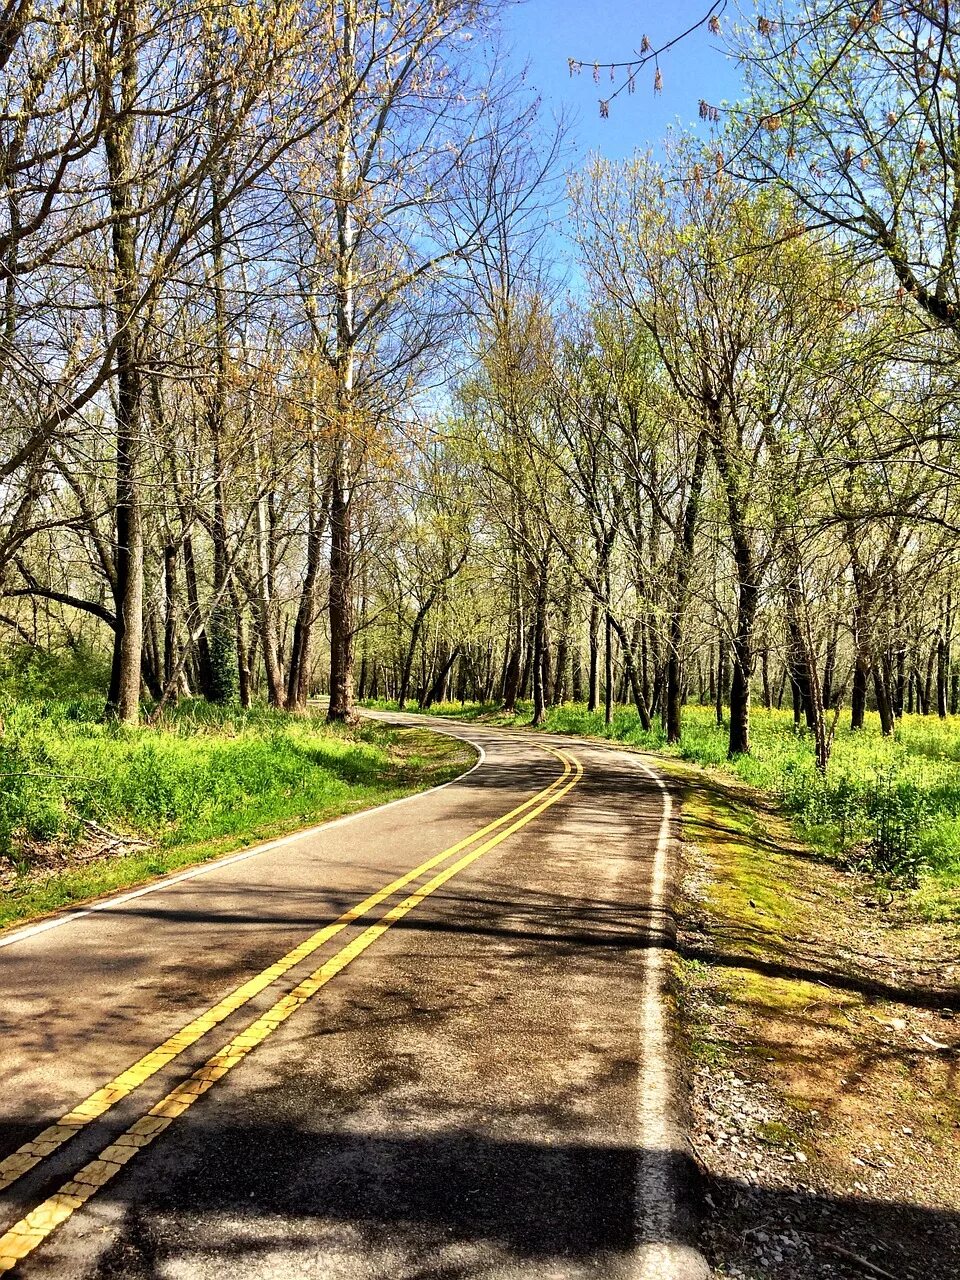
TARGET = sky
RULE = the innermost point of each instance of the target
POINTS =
(545, 33)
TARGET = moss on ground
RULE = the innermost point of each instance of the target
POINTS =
(821, 1022)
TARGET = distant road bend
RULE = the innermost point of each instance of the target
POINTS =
(425, 1041)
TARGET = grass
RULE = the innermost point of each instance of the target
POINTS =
(891, 805)
(203, 782)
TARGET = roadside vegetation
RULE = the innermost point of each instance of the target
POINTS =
(889, 805)
(823, 1026)
(88, 806)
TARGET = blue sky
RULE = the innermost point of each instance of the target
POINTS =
(545, 33)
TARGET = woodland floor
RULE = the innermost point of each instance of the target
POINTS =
(823, 1023)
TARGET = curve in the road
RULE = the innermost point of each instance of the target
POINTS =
(32, 1229)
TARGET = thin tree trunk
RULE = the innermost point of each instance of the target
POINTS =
(721, 682)
(341, 601)
(608, 670)
(681, 589)
(169, 612)
(943, 658)
(301, 654)
(243, 649)
(881, 691)
(858, 696)
(593, 682)
(124, 697)
(342, 557)
(540, 650)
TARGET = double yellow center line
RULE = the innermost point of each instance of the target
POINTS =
(31, 1230)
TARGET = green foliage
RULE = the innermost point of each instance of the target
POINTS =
(204, 774)
(223, 654)
(77, 672)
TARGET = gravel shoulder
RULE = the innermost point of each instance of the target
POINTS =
(822, 1026)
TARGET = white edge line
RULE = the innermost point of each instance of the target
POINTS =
(215, 864)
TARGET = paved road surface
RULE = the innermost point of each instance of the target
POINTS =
(423, 1042)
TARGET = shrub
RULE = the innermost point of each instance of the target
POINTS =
(899, 811)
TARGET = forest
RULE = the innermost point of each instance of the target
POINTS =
(326, 375)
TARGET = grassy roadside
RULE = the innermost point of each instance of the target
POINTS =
(88, 808)
(890, 805)
(822, 1021)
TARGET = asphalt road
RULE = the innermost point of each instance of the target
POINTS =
(427, 1041)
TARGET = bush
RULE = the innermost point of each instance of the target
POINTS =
(900, 812)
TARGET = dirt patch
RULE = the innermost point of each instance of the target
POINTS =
(44, 858)
(824, 1031)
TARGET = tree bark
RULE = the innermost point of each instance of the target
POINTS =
(342, 552)
(685, 548)
(123, 700)
(881, 691)
(593, 677)
(341, 600)
(169, 612)
(301, 652)
(540, 650)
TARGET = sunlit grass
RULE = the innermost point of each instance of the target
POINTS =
(205, 780)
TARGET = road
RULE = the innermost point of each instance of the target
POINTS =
(424, 1041)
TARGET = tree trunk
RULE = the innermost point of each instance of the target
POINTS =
(244, 688)
(881, 691)
(829, 667)
(204, 678)
(169, 612)
(631, 674)
(342, 556)
(341, 601)
(301, 653)
(681, 589)
(124, 698)
(943, 658)
(858, 696)
(928, 680)
(593, 684)
(748, 595)
(576, 674)
(438, 687)
(511, 682)
(720, 686)
(608, 670)
(224, 659)
(407, 669)
(540, 651)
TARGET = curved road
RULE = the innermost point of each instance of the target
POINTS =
(424, 1041)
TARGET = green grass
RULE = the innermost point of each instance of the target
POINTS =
(891, 805)
(204, 781)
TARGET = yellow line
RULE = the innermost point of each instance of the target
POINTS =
(33, 1229)
(27, 1156)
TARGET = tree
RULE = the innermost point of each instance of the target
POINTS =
(854, 109)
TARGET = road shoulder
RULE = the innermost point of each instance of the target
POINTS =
(823, 1039)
